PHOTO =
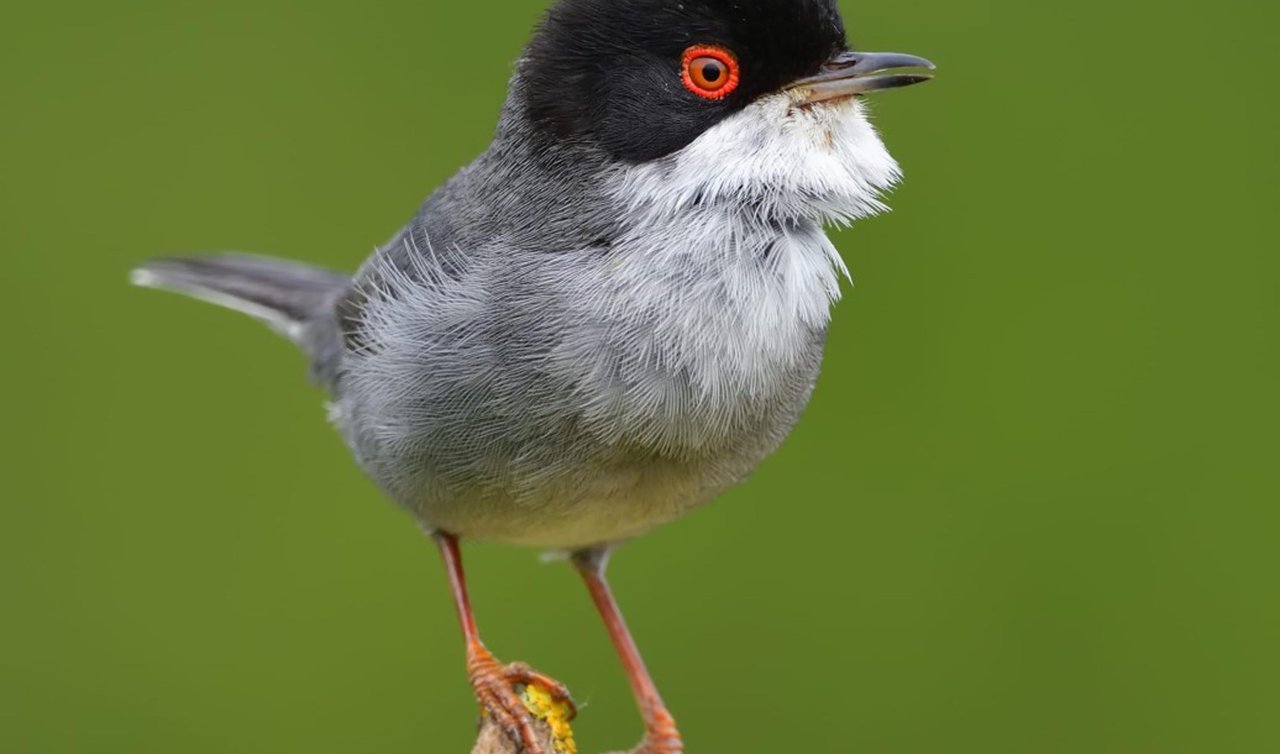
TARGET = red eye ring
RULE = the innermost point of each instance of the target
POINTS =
(711, 72)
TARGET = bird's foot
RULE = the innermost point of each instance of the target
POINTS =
(497, 688)
(660, 738)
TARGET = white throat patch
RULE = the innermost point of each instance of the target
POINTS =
(725, 248)
(775, 160)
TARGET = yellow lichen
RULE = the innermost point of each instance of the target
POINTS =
(554, 714)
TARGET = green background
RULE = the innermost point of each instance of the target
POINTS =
(1032, 510)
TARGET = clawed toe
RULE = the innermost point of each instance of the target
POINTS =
(496, 687)
(521, 674)
(502, 703)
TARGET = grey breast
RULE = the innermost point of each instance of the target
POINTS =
(518, 368)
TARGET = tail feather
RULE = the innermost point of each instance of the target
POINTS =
(286, 295)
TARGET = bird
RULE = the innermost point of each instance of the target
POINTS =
(613, 315)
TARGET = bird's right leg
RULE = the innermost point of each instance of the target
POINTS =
(495, 684)
(661, 736)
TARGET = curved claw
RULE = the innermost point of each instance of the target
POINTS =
(522, 674)
(495, 689)
(501, 702)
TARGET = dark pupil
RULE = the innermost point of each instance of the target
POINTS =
(712, 72)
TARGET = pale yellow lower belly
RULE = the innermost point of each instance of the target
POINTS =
(578, 512)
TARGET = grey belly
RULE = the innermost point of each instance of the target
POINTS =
(518, 476)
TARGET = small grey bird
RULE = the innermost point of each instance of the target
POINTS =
(616, 312)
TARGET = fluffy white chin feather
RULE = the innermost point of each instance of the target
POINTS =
(776, 160)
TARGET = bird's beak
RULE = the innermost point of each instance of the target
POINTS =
(853, 73)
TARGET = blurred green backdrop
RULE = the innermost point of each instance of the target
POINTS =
(1033, 508)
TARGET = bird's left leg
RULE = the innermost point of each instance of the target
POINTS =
(661, 735)
(495, 684)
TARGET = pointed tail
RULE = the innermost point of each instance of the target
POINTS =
(288, 296)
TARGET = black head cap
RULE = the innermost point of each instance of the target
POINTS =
(610, 71)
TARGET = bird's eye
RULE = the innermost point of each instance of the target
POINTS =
(711, 72)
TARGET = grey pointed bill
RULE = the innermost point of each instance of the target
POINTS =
(852, 73)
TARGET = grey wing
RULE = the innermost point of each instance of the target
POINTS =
(417, 358)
